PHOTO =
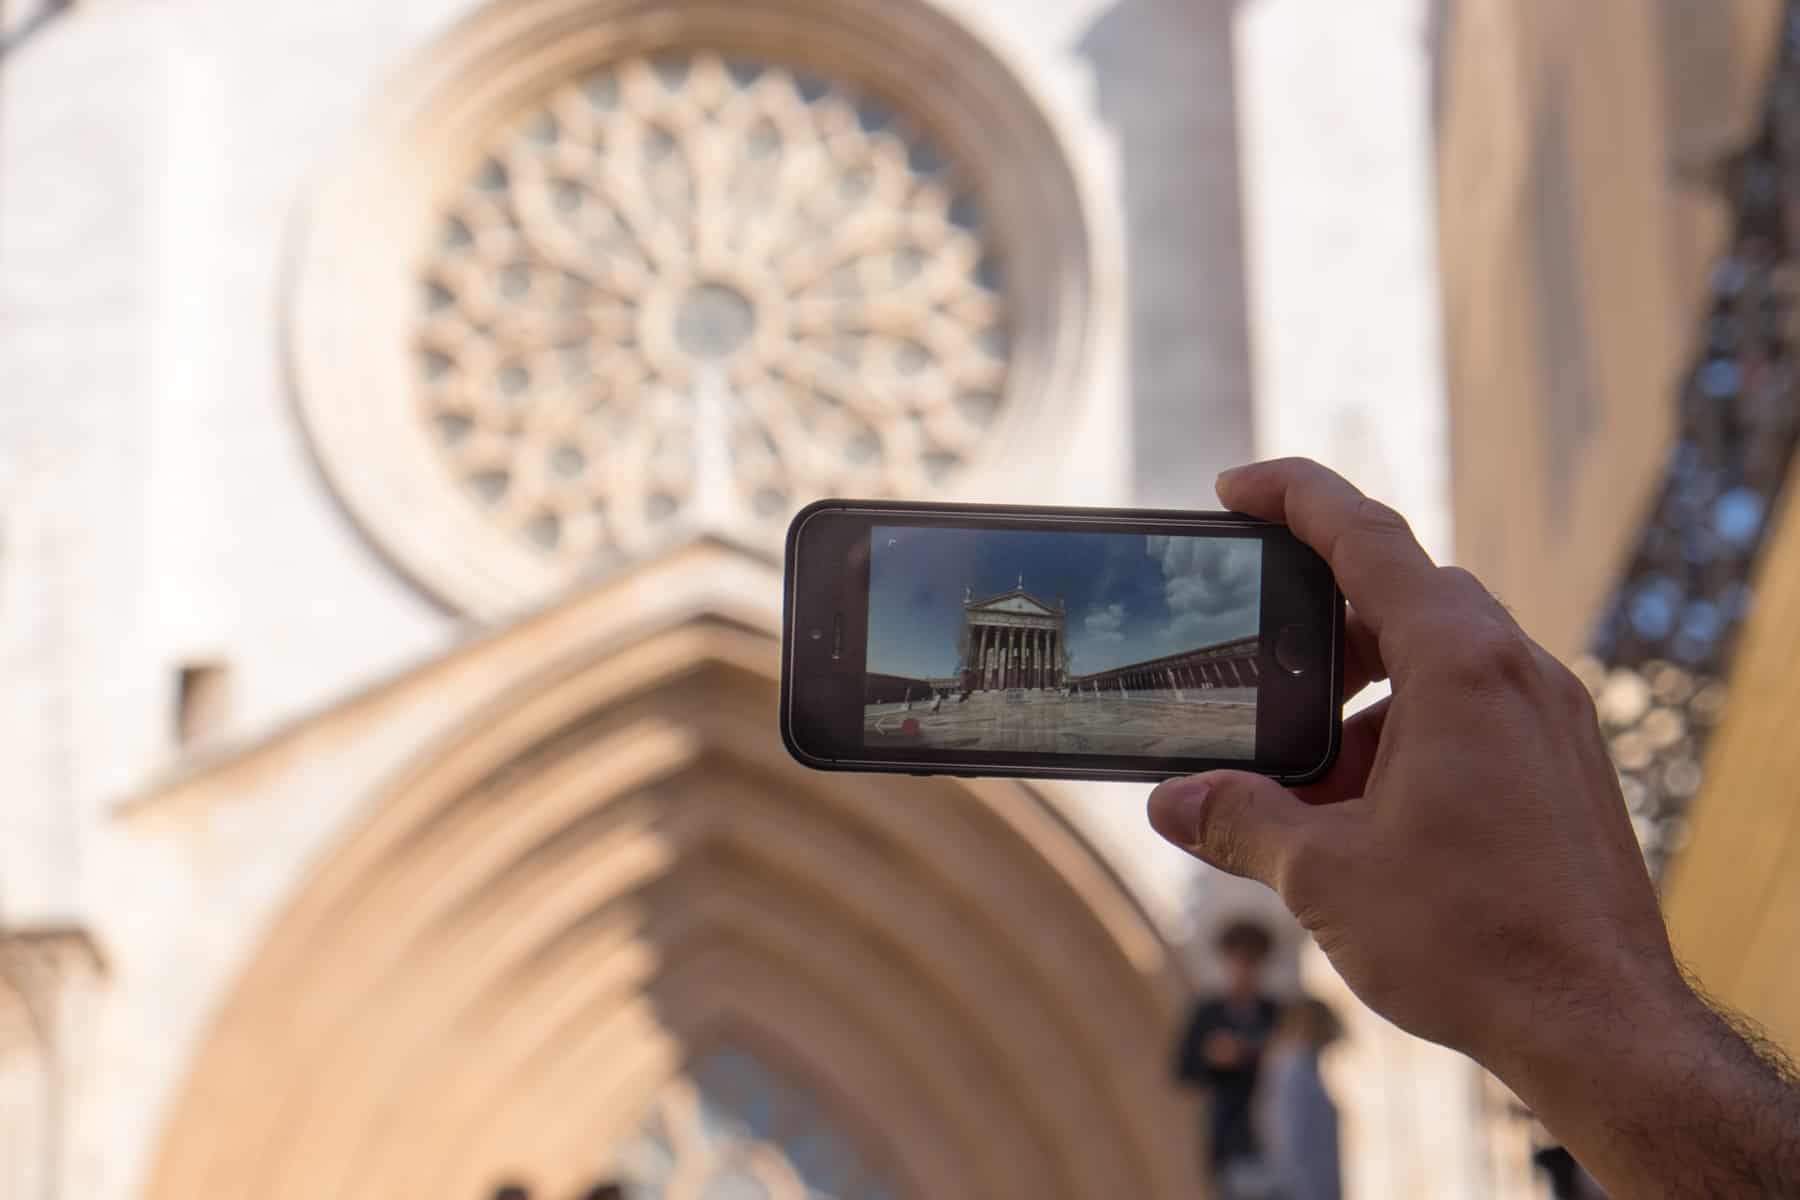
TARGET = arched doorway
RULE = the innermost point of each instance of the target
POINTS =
(611, 877)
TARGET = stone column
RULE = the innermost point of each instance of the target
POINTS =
(1043, 655)
(1010, 641)
(980, 658)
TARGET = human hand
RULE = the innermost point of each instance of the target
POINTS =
(1468, 865)
(1469, 869)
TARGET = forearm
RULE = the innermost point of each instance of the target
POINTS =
(1661, 1096)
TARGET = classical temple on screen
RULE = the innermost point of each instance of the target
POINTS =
(1014, 640)
(1019, 641)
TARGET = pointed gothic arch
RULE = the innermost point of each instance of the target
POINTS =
(613, 868)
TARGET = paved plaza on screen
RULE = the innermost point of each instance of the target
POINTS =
(1220, 725)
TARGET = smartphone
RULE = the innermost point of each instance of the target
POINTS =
(1123, 644)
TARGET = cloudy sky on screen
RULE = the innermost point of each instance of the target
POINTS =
(1129, 597)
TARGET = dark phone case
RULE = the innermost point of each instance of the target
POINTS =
(789, 589)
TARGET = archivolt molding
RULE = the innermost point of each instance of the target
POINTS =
(615, 868)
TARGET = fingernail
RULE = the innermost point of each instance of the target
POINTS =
(1176, 807)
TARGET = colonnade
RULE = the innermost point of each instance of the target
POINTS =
(1016, 656)
(1227, 665)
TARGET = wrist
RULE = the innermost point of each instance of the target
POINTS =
(1581, 1044)
(1606, 1072)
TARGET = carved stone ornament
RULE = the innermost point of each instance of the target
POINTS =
(679, 274)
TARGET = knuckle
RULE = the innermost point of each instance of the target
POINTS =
(1291, 464)
(1468, 592)
(1302, 868)
(1306, 869)
(1567, 688)
(1463, 580)
(1374, 517)
(1491, 657)
(1221, 835)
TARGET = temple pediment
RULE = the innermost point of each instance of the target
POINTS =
(1015, 602)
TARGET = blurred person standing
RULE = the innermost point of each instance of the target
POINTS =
(1221, 1052)
(1296, 1116)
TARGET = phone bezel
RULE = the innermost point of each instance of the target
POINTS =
(857, 758)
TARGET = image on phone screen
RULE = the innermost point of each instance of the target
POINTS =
(1062, 642)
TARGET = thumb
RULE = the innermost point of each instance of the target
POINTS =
(1241, 823)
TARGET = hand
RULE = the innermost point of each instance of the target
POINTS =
(1468, 865)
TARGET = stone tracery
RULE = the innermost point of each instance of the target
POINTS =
(683, 250)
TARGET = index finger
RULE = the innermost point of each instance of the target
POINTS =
(1382, 569)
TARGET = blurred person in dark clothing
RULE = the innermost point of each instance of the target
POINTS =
(1296, 1115)
(1222, 1050)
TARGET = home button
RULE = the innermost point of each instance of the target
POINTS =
(1296, 649)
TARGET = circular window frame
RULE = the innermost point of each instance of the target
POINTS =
(369, 234)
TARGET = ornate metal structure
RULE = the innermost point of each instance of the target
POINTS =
(1661, 655)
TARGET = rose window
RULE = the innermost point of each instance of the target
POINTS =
(692, 281)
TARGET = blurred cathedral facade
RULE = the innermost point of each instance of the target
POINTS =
(400, 406)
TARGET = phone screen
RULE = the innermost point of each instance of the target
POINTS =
(1080, 643)
(1062, 642)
